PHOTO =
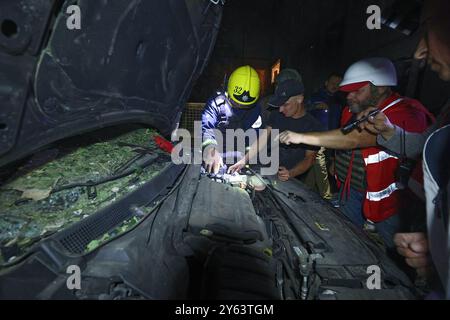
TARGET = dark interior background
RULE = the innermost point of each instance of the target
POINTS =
(316, 38)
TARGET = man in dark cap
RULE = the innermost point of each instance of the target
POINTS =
(290, 114)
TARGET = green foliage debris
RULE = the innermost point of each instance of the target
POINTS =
(30, 210)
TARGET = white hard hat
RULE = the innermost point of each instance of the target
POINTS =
(378, 71)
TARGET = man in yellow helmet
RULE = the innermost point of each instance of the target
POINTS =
(235, 109)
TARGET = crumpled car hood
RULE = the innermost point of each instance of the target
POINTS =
(131, 62)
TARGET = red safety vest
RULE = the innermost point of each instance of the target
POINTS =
(382, 198)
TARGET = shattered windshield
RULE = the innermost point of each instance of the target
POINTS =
(72, 180)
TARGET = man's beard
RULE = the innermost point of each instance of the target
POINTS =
(360, 107)
(357, 108)
(372, 101)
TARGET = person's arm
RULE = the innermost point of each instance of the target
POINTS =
(414, 247)
(333, 139)
(211, 156)
(414, 142)
(304, 165)
(301, 167)
(258, 145)
(209, 123)
(253, 151)
(389, 135)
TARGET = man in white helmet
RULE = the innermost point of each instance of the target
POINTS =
(366, 173)
(434, 143)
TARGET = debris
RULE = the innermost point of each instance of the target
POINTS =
(91, 191)
(36, 194)
(92, 245)
(125, 226)
(31, 206)
(11, 243)
(206, 233)
(138, 212)
(321, 227)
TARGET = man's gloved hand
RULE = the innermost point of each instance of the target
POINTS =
(378, 124)
(236, 167)
(414, 247)
(213, 160)
(283, 174)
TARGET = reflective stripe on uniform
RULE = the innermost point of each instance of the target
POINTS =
(380, 195)
(258, 123)
(378, 157)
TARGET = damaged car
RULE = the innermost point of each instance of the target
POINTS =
(88, 186)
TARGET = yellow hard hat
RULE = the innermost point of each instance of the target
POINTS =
(243, 86)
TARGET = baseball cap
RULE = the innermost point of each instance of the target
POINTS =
(285, 91)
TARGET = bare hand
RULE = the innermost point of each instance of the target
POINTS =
(213, 160)
(378, 124)
(288, 137)
(283, 174)
(414, 247)
(236, 167)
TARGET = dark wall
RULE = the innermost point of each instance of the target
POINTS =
(360, 42)
(246, 37)
(315, 37)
